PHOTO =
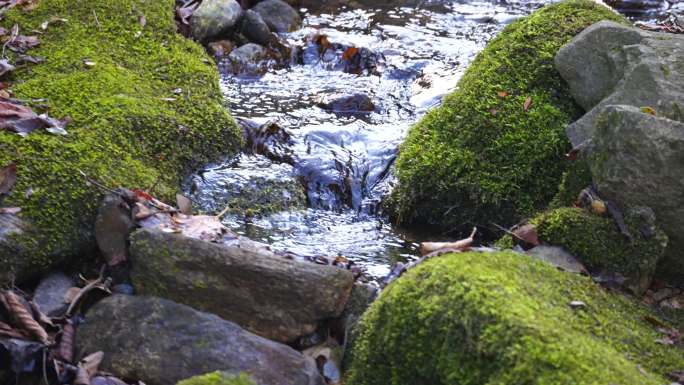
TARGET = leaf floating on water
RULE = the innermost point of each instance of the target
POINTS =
(349, 53)
(649, 111)
(527, 104)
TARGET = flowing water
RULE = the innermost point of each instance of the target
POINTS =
(405, 59)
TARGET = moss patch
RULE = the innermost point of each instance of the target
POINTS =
(504, 318)
(597, 242)
(123, 132)
(218, 378)
(482, 158)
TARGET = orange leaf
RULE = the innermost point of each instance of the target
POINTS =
(350, 53)
(528, 103)
(502, 94)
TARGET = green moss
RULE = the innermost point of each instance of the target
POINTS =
(505, 318)
(596, 241)
(576, 178)
(218, 378)
(123, 132)
(464, 164)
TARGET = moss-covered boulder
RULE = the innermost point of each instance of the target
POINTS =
(505, 318)
(145, 107)
(493, 152)
(598, 243)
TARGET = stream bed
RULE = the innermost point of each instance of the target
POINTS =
(339, 156)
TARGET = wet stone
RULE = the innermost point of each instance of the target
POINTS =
(214, 18)
(278, 15)
(49, 295)
(255, 28)
(347, 104)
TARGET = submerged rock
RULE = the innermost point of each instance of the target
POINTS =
(347, 104)
(161, 342)
(494, 151)
(49, 295)
(505, 318)
(632, 83)
(249, 59)
(268, 294)
(214, 18)
(278, 15)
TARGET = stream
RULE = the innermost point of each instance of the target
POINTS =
(406, 59)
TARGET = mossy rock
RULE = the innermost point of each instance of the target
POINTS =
(218, 378)
(125, 129)
(505, 318)
(596, 241)
(482, 157)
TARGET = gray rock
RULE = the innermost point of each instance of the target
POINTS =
(161, 342)
(360, 299)
(637, 160)
(112, 226)
(609, 64)
(214, 18)
(12, 263)
(559, 257)
(632, 84)
(49, 295)
(268, 294)
(255, 28)
(278, 15)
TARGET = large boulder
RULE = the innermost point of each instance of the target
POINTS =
(214, 18)
(632, 84)
(128, 127)
(506, 318)
(278, 15)
(271, 295)
(161, 342)
(494, 151)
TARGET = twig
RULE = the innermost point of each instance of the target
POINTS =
(98, 184)
(223, 213)
(96, 283)
(97, 21)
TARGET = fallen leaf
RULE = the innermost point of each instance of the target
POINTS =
(22, 59)
(502, 94)
(349, 53)
(433, 247)
(10, 210)
(598, 207)
(142, 20)
(493, 111)
(88, 367)
(22, 120)
(23, 317)
(528, 234)
(184, 204)
(648, 110)
(185, 13)
(8, 178)
(5, 67)
(8, 331)
(65, 349)
(527, 104)
(577, 304)
(89, 63)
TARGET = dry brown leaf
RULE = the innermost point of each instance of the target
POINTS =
(349, 53)
(528, 234)
(65, 349)
(502, 94)
(8, 178)
(142, 20)
(185, 13)
(8, 331)
(88, 367)
(527, 104)
(22, 120)
(24, 318)
(10, 210)
(5, 67)
(463, 244)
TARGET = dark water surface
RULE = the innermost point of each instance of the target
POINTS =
(408, 59)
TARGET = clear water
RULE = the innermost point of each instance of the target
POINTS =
(343, 162)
